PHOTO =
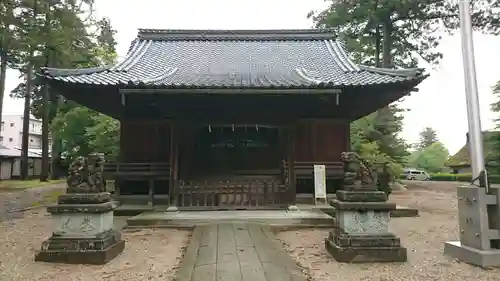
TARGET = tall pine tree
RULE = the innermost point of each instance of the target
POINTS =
(393, 34)
(428, 136)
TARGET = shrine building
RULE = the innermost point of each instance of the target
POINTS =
(231, 119)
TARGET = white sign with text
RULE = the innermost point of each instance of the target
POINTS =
(319, 182)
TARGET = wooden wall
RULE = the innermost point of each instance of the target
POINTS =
(145, 140)
(321, 140)
(316, 140)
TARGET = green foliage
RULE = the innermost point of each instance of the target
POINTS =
(81, 131)
(394, 33)
(466, 177)
(428, 136)
(375, 138)
(432, 158)
(494, 137)
(104, 136)
(411, 27)
(61, 34)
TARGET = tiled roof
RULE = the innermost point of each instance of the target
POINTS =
(16, 152)
(235, 59)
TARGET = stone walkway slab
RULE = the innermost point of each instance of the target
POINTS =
(236, 252)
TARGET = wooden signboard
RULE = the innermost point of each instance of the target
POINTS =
(319, 183)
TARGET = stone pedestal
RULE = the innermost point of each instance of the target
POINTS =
(478, 217)
(361, 232)
(83, 231)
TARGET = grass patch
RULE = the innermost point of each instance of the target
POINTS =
(47, 199)
(20, 185)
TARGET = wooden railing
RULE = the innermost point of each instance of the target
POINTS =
(244, 194)
(123, 169)
(305, 170)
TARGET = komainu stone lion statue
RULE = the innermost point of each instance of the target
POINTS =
(358, 172)
(85, 175)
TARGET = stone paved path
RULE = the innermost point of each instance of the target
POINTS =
(236, 252)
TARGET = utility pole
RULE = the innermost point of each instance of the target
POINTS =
(479, 223)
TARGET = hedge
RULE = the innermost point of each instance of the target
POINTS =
(459, 177)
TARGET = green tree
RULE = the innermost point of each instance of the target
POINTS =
(401, 31)
(366, 139)
(104, 136)
(101, 133)
(432, 158)
(494, 157)
(8, 21)
(63, 40)
(70, 128)
(428, 136)
(81, 131)
(45, 29)
(394, 33)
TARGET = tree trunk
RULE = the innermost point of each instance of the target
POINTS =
(3, 78)
(377, 46)
(44, 174)
(26, 122)
(387, 44)
(55, 160)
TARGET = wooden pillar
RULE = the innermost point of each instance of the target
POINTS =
(121, 155)
(174, 166)
(292, 183)
(283, 150)
(151, 186)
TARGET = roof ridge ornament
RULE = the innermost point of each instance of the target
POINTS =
(236, 35)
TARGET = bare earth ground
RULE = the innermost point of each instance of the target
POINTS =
(151, 254)
(424, 238)
(13, 202)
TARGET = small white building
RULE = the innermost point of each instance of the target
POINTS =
(11, 141)
(10, 163)
(11, 133)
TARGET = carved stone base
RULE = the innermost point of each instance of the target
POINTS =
(361, 232)
(98, 250)
(83, 231)
(373, 253)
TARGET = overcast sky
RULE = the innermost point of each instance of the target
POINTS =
(440, 103)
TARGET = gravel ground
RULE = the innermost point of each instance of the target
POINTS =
(12, 203)
(424, 238)
(151, 254)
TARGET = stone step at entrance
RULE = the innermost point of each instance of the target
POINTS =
(273, 218)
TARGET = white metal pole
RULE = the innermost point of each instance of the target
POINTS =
(473, 113)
